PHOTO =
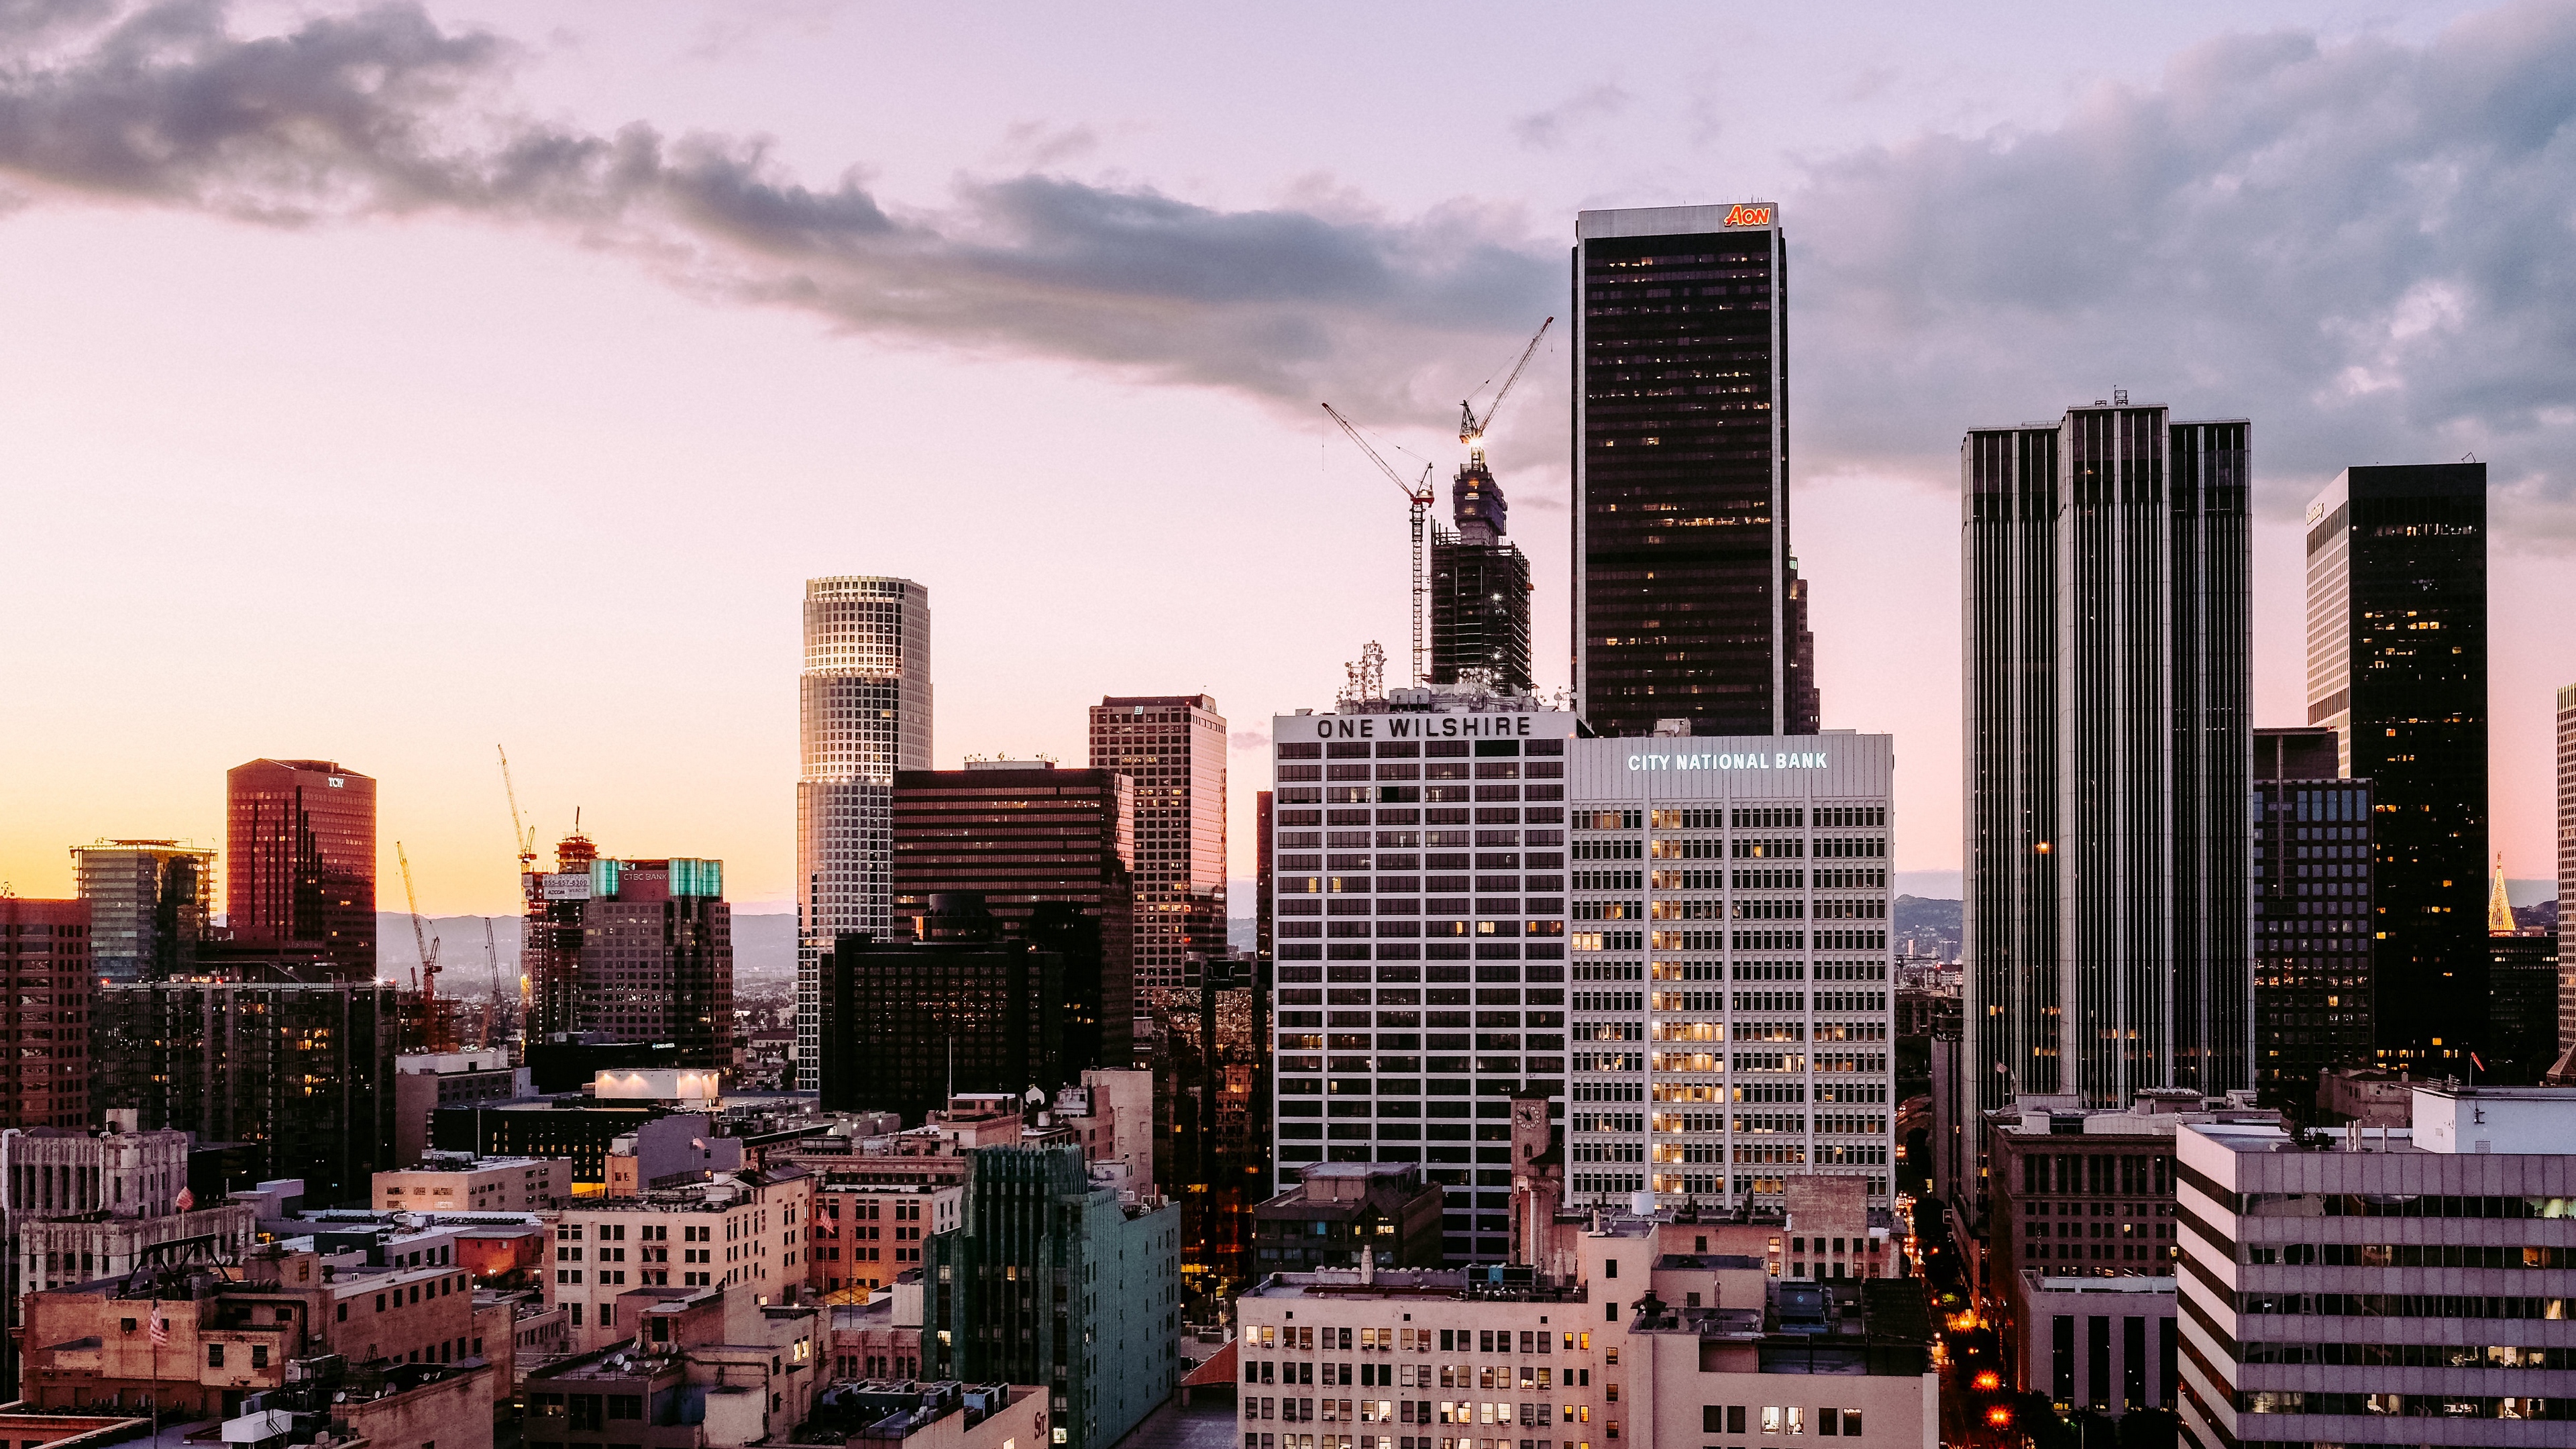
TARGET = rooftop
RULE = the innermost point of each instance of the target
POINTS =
(2039, 1282)
(1488, 1284)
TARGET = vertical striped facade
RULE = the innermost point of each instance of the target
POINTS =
(2105, 565)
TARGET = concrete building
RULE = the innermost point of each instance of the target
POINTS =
(45, 967)
(1632, 1344)
(2365, 1285)
(936, 1416)
(2107, 1345)
(456, 1182)
(300, 861)
(1108, 1351)
(1173, 747)
(588, 1135)
(863, 712)
(695, 1368)
(427, 1081)
(1339, 1210)
(299, 1075)
(2397, 667)
(1687, 599)
(2366, 1096)
(1049, 851)
(744, 1233)
(866, 1235)
(150, 902)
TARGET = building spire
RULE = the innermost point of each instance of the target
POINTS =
(2499, 910)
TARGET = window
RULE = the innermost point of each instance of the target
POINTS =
(214, 1355)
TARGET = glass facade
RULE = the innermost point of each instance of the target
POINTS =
(150, 903)
(2397, 665)
(300, 838)
(863, 712)
(1173, 747)
(45, 1038)
(1683, 607)
(655, 959)
(2312, 928)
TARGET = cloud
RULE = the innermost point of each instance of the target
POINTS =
(1546, 130)
(1037, 145)
(2365, 247)
(383, 112)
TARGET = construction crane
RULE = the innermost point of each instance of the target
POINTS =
(492, 1008)
(1420, 495)
(522, 835)
(1471, 429)
(428, 974)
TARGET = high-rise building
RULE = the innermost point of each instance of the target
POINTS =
(2105, 566)
(2380, 1277)
(45, 1047)
(2397, 665)
(657, 957)
(1263, 804)
(550, 937)
(299, 1073)
(2312, 919)
(1173, 747)
(300, 850)
(863, 712)
(1480, 588)
(1686, 601)
(150, 902)
(2567, 868)
(1048, 850)
(908, 1024)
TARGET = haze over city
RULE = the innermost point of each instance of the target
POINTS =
(387, 382)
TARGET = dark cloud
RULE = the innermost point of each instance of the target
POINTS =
(2364, 246)
(1545, 130)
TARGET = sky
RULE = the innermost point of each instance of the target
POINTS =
(393, 383)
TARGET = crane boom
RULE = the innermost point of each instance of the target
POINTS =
(1471, 429)
(522, 835)
(428, 954)
(1420, 495)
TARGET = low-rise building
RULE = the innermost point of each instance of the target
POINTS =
(1338, 1210)
(934, 1416)
(705, 1366)
(427, 1081)
(460, 1182)
(449, 1406)
(2103, 1344)
(746, 1230)
(2364, 1285)
(865, 1235)
(881, 1338)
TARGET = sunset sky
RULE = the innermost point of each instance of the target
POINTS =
(385, 383)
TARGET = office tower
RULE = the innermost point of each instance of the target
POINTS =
(657, 957)
(45, 1036)
(1480, 588)
(300, 843)
(863, 712)
(1262, 805)
(149, 904)
(2104, 582)
(2397, 665)
(2566, 868)
(300, 1074)
(2391, 1277)
(550, 938)
(1173, 748)
(2312, 917)
(1048, 850)
(907, 1024)
(1686, 601)
(2522, 1008)
(1032, 1214)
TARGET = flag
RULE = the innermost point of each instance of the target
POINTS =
(2473, 1056)
(186, 1200)
(160, 1328)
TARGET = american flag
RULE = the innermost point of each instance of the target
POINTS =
(186, 1201)
(160, 1328)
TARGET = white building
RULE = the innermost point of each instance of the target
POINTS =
(460, 1182)
(863, 712)
(1683, 940)
(2374, 1285)
(748, 1229)
(1418, 902)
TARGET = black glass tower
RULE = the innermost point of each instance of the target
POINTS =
(1685, 604)
(2397, 666)
(2312, 926)
(2105, 578)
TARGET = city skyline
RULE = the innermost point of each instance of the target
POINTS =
(474, 483)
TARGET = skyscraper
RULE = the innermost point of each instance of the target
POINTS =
(907, 1023)
(2566, 868)
(863, 712)
(1685, 598)
(2397, 665)
(300, 836)
(1173, 746)
(1480, 588)
(2312, 924)
(2105, 589)
(150, 902)
(656, 960)
(45, 1035)
(1048, 852)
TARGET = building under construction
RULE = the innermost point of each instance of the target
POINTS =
(1480, 588)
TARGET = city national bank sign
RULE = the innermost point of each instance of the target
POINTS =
(1751, 760)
